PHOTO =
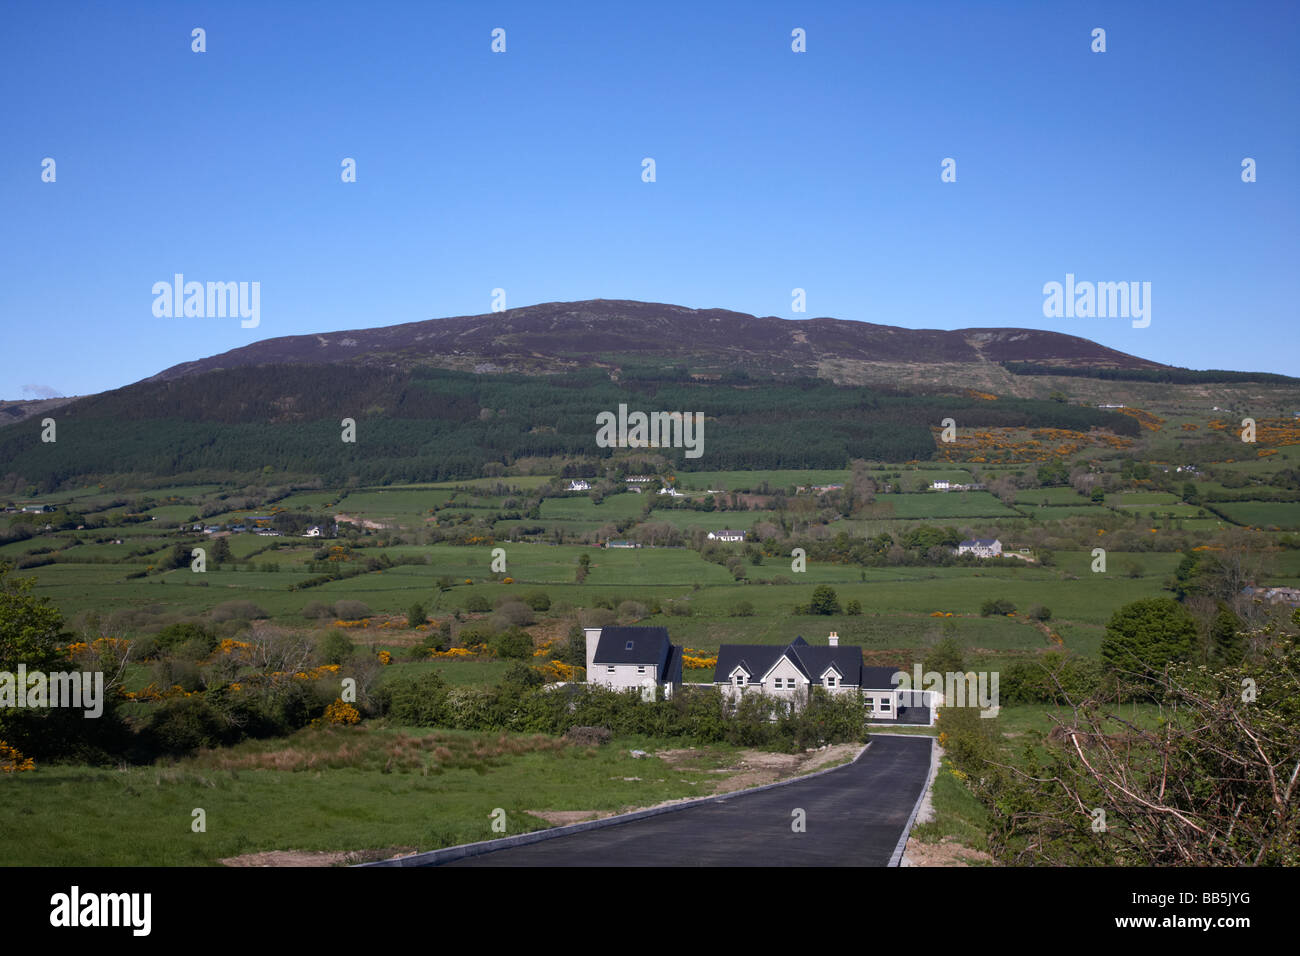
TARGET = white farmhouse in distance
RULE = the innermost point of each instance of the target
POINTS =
(981, 547)
(579, 485)
(726, 534)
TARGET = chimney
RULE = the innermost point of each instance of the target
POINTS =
(834, 639)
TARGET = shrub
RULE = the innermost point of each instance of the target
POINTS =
(477, 604)
(335, 648)
(415, 615)
(514, 643)
(1040, 613)
(588, 736)
(182, 725)
(237, 611)
(632, 611)
(996, 606)
(513, 613)
(539, 601)
(316, 609)
(183, 632)
(824, 600)
(351, 610)
(854, 607)
(742, 609)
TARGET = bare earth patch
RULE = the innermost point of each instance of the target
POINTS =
(316, 857)
(947, 852)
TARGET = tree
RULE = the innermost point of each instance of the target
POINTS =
(824, 600)
(1226, 642)
(1143, 637)
(415, 615)
(221, 551)
(1212, 784)
(945, 658)
(31, 631)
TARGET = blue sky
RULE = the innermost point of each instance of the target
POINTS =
(522, 170)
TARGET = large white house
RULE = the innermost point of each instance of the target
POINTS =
(981, 547)
(726, 534)
(579, 485)
(622, 658)
(792, 671)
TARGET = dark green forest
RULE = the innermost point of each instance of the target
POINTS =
(1172, 376)
(432, 424)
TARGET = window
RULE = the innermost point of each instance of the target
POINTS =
(884, 705)
(830, 680)
(610, 669)
(871, 704)
(740, 680)
(629, 646)
(640, 670)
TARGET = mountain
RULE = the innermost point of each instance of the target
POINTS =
(558, 335)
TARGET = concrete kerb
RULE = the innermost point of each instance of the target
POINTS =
(452, 853)
(897, 857)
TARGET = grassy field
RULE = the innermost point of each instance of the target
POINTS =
(339, 789)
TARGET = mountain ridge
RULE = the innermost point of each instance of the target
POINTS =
(553, 335)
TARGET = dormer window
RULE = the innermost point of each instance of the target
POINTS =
(740, 680)
(830, 680)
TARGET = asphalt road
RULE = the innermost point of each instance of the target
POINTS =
(854, 817)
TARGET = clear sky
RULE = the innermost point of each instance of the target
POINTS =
(523, 170)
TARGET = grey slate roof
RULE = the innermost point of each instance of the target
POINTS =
(879, 678)
(650, 645)
(810, 661)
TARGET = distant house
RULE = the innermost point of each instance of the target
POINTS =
(622, 658)
(940, 485)
(267, 533)
(212, 529)
(313, 532)
(238, 529)
(672, 492)
(579, 485)
(981, 547)
(638, 479)
(38, 509)
(622, 544)
(726, 534)
(792, 671)
(1288, 596)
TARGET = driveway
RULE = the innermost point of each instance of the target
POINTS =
(854, 816)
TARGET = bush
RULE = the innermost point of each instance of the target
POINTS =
(182, 725)
(237, 611)
(824, 600)
(742, 609)
(514, 643)
(175, 635)
(335, 648)
(588, 736)
(1040, 613)
(416, 615)
(539, 601)
(477, 604)
(854, 607)
(316, 609)
(351, 610)
(597, 617)
(632, 611)
(513, 613)
(680, 608)
(996, 606)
